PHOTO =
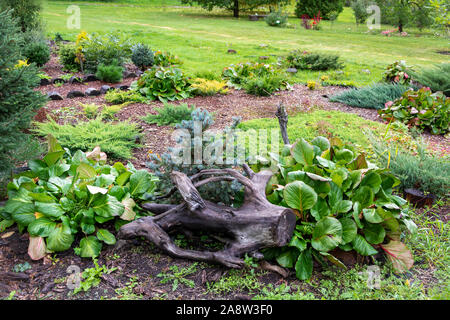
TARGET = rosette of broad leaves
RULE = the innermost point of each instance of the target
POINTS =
(164, 84)
(64, 196)
(342, 202)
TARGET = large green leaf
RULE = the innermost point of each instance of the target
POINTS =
(53, 210)
(304, 265)
(364, 195)
(298, 241)
(60, 238)
(372, 216)
(349, 230)
(298, 195)
(374, 233)
(320, 209)
(287, 258)
(303, 152)
(41, 227)
(86, 171)
(123, 178)
(321, 142)
(362, 246)
(327, 234)
(107, 206)
(90, 247)
(372, 180)
(106, 236)
(344, 155)
(52, 157)
(141, 182)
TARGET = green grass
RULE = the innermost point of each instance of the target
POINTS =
(201, 38)
(347, 126)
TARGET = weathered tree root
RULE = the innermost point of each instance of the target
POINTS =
(255, 225)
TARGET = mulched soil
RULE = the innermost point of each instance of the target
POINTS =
(47, 279)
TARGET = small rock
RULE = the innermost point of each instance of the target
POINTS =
(54, 96)
(75, 94)
(291, 70)
(58, 80)
(75, 79)
(105, 88)
(128, 74)
(231, 51)
(122, 87)
(89, 78)
(264, 58)
(45, 82)
(92, 92)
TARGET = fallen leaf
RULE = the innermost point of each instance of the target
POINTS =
(7, 235)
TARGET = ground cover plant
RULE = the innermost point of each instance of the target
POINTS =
(423, 171)
(73, 194)
(436, 78)
(116, 139)
(372, 97)
(420, 109)
(170, 114)
(342, 201)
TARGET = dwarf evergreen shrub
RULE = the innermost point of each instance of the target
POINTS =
(18, 100)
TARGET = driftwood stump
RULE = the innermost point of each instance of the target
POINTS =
(283, 121)
(255, 225)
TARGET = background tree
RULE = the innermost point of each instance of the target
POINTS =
(313, 7)
(440, 14)
(18, 100)
(235, 5)
(359, 8)
(26, 11)
(402, 13)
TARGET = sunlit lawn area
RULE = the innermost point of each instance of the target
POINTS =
(201, 38)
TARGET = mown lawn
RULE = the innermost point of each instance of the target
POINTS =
(201, 38)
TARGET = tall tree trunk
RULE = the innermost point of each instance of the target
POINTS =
(236, 9)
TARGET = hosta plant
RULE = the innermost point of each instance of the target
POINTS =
(421, 109)
(66, 195)
(342, 202)
(238, 74)
(398, 72)
(164, 84)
